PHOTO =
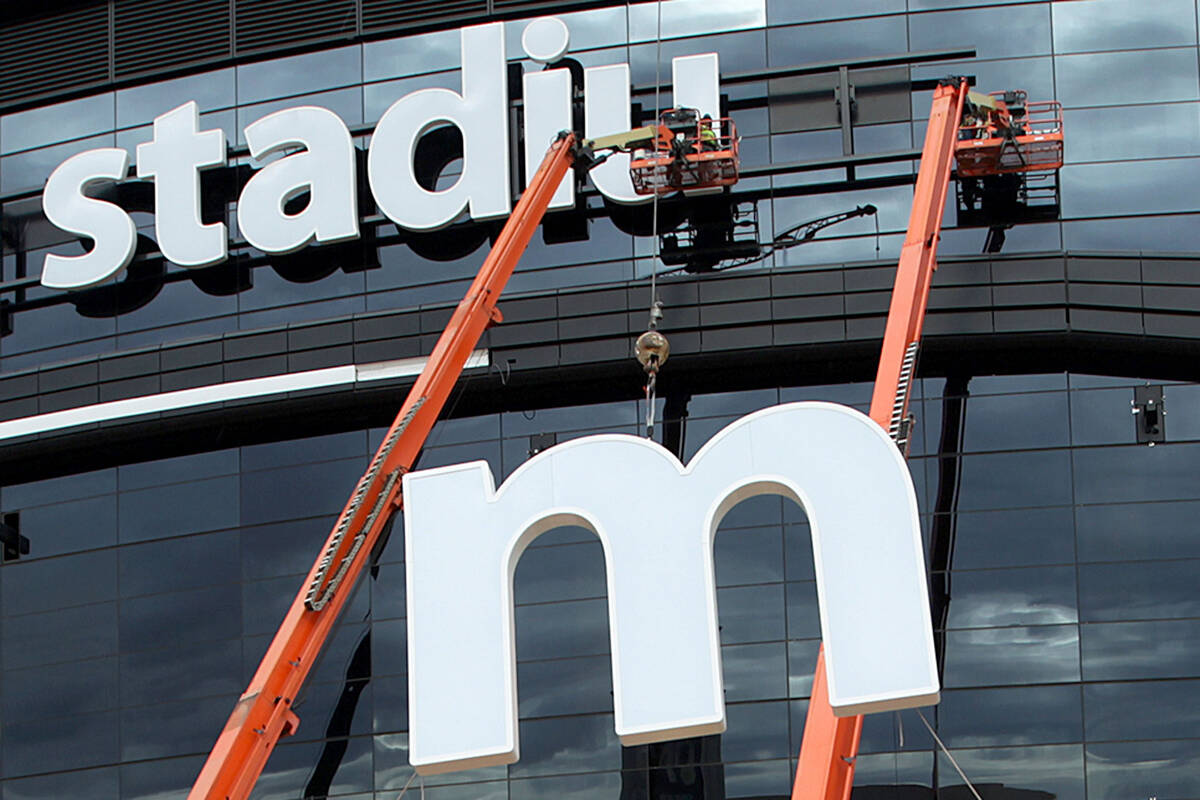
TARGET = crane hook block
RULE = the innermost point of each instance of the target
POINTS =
(651, 350)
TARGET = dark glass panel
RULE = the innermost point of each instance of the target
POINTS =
(755, 731)
(1147, 187)
(871, 772)
(1102, 416)
(798, 552)
(1121, 770)
(500, 790)
(466, 429)
(1163, 234)
(1113, 651)
(797, 713)
(1014, 538)
(392, 769)
(1002, 597)
(173, 729)
(70, 526)
(755, 671)
(77, 783)
(281, 77)
(283, 548)
(1139, 590)
(1007, 422)
(803, 619)
(749, 555)
(50, 691)
(31, 168)
(59, 743)
(559, 630)
(1146, 132)
(158, 779)
(739, 52)
(1137, 473)
(174, 564)
(1020, 31)
(210, 90)
(1123, 25)
(758, 779)
(567, 744)
(763, 509)
(1012, 384)
(1109, 79)
(291, 768)
(177, 470)
(899, 730)
(693, 18)
(411, 55)
(1185, 425)
(391, 703)
(1142, 710)
(751, 614)
(724, 404)
(287, 301)
(388, 591)
(389, 647)
(80, 632)
(311, 490)
(199, 669)
(565, 686)
(74, 580)
(564, 572)
(585, 787)
(57, 490)
(264, 603)
(829, 41)
(1143, 530)
(782, 12)
(57, 123)
(345, 656)
(1021, 715)
(181, 618)
(304, 451)
(1015, 479)
(1007, 656)
(604, 416)
(802, 661)
(1056, 770)
(178, 509)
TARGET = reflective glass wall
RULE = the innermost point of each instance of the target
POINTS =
(1125, 71)
(1062, 556)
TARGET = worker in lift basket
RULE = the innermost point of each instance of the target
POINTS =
(708, 137)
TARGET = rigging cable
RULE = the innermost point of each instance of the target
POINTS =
(651, 348)
(937, 739)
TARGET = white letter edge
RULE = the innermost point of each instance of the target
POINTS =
(656, 521)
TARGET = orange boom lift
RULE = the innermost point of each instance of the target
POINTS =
(263, 714)
(997, 135)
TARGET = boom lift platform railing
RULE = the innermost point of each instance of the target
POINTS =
(826, 764)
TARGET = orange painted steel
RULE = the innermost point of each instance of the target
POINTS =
(826, 764)
(263, 714)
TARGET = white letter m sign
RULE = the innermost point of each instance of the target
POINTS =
(656, 520)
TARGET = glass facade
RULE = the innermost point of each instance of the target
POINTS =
(1062, 553)
(1070, 638)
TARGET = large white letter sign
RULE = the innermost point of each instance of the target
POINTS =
(109, 227)
(325, 169)
(480, 112)
(174, 159)
(656, 520)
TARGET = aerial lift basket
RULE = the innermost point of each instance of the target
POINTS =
(689, 157)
